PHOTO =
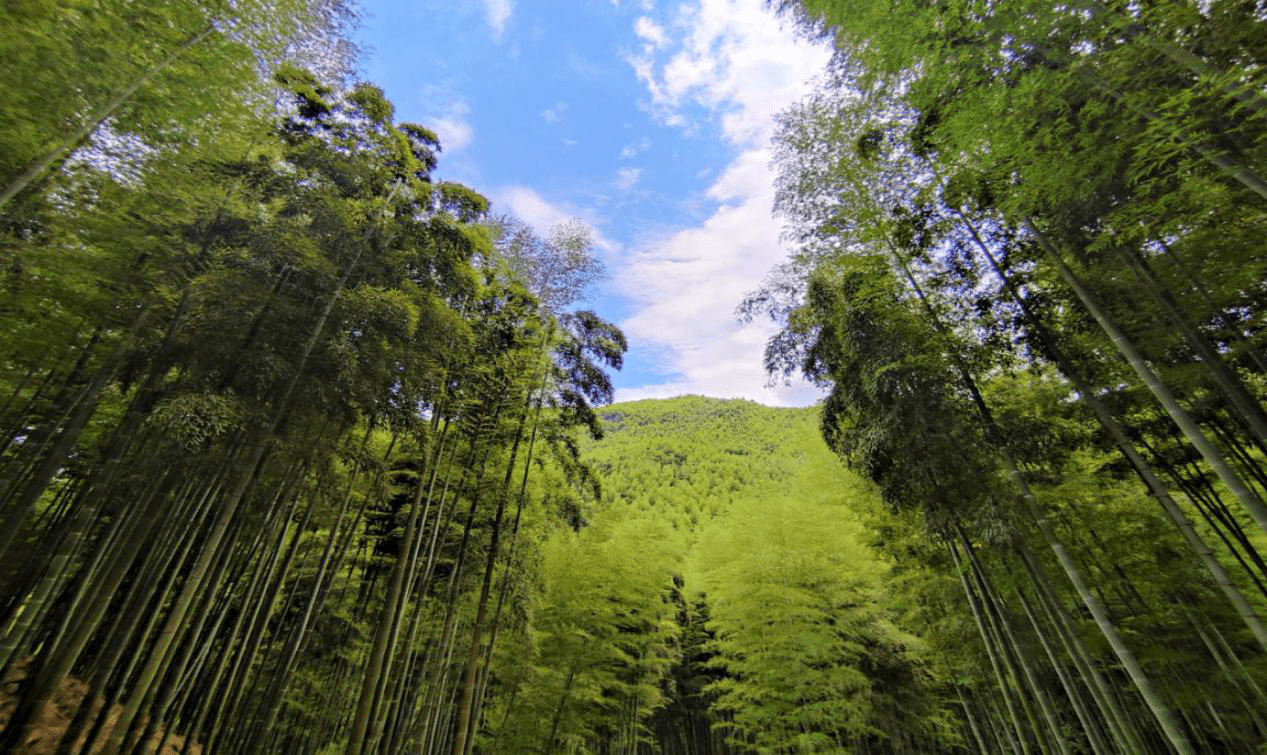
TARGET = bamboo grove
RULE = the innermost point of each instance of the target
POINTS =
(276, 403)
(301, 452)
(1029, 271)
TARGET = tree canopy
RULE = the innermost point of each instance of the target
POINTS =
(305, 449)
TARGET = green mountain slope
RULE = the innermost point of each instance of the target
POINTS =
(722, 589)
(693, 457)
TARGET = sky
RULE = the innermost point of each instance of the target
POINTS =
(649, 120)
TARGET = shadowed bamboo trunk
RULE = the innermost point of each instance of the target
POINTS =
(992, 651)
(1143, 684)
(1127, 448)
(228, 508)
(1160, 391)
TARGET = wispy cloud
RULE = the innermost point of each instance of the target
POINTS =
(650, 32)
(542, 214)
(686, 286)
(497, 13)
(728, 63)
(635, 148)
(731, 58)
(627, 178)
(451, 125)
(554, 114)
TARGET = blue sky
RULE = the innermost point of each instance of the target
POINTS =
(651, 121)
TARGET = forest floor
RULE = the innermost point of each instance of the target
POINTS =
(56, 717)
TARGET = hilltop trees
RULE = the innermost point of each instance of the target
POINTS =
(722, 598)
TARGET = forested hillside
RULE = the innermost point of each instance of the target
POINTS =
(736, 589)
(707, 587)
(304, 449)
(782, 627)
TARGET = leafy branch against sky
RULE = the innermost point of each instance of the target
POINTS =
(650, 122)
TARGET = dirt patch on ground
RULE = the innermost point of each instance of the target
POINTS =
(53, 721)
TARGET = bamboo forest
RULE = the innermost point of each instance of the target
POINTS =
(306, 449)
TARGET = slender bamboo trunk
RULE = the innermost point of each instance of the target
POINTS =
(266, 604)
(188, 683)
(992, 652)
(135, 738)
(505, 585)
(1165, 718)
(1128, 450)
(1214, 311)
(466, 700)
(995, 609)
(1160, 391)
(362, 729)
(1124, 733)
(20, 385)
(80, 136)
(486, 428)
(82, 621)
(246, 474)
(1242, 401)
(977, 737)
(30, 611)
(41, 476)
(412, 575)
(38, 433)
(155, 579)
(557, 719)
(1089, 725)
(212, 689)
(1249, 701)
(1010, 653)
(319, 586)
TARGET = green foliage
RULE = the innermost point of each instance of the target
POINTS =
(1020, 274)
(722, 579)
(274, 390)
(304, 452)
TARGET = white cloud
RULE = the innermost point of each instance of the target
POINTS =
(651, 32)
(635, 148)
(627, 178)
(540, 213)
(554, 114)
(451, 125)
(731, 62)
(530, 207)
(685, 289)
(734, 59)
(497, 13)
